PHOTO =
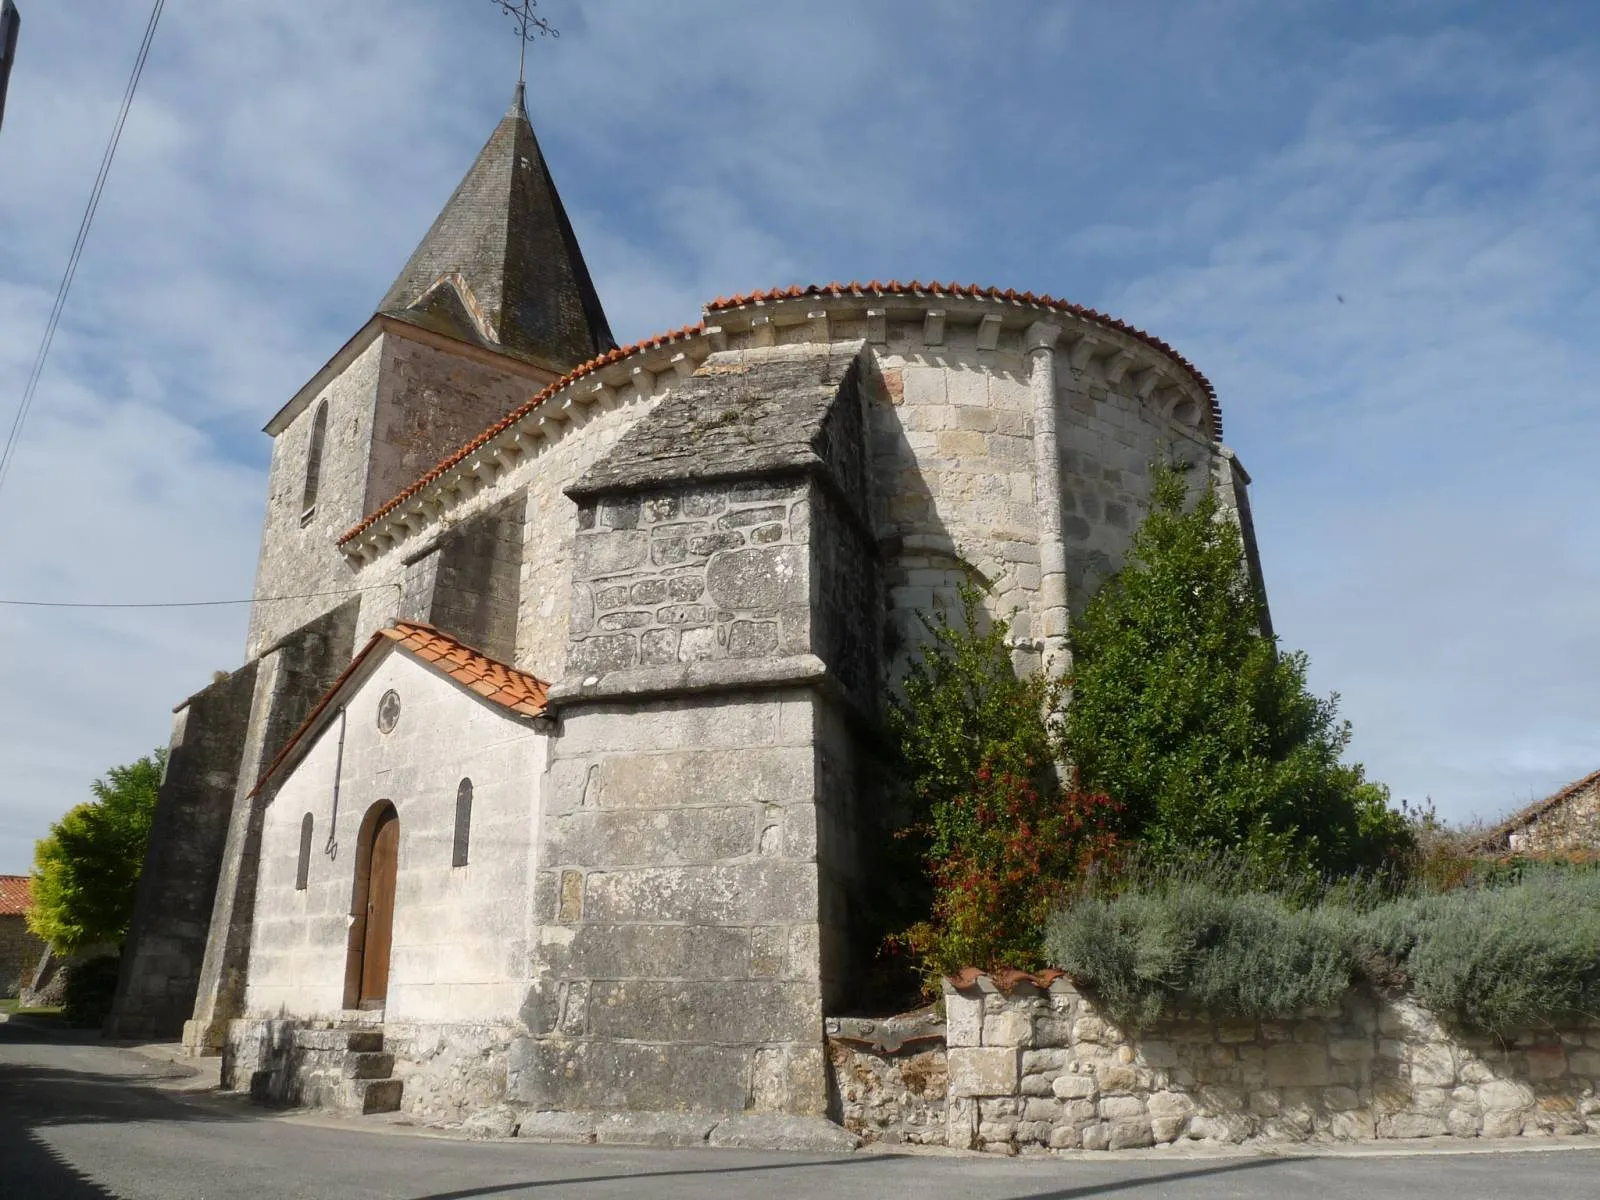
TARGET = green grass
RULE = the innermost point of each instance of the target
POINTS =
(13, 1007)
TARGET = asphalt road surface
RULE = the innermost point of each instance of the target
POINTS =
(81, 1121)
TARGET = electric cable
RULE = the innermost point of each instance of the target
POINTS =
(14, 436)
(187, 603)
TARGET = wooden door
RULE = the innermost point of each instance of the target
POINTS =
(379, 914)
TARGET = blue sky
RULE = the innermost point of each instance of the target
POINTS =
(1373, 226)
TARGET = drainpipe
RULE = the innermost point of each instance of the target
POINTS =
(1039, 344)
(332, 848)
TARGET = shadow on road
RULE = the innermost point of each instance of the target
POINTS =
(34, 1098)
(1158, 1180)
(511, 1189)
(1151, 1181)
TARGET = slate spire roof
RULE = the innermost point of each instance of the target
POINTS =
(501, 266)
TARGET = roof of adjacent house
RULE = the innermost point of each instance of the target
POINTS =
(516, 691)
(16, 894)
(1522, 818)
(500, 265)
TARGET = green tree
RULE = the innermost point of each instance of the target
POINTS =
(998, 837)
(86, 871)
(1186, 714)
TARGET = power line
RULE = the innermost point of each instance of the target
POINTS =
(187, 603)
(9, 453)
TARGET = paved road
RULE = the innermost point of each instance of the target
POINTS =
(90, 1122)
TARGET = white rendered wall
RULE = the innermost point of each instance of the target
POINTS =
(460, 949)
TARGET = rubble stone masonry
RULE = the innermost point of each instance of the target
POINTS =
(1044, 1069)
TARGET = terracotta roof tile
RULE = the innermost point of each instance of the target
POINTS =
(16, 894)
(1005, 978)
(519, 691)
(793, 292)
(974, 291)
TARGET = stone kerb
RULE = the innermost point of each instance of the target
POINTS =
(1042, 1068)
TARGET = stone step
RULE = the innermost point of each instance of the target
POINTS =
(368, 1096)
(368, 1065)
(364, 1041)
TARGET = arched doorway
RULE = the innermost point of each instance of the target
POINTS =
(366, 974)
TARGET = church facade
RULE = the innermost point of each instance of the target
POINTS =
(546, 779)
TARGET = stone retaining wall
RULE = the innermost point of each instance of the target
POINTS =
(1044, 1069)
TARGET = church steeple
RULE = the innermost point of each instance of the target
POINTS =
(504, 240)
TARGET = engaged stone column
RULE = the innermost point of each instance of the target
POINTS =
(1039, 343)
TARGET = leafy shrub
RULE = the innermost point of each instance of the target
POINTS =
(1511, 957)
(1006, 853)
(998, 837)
(1195, 945)
(1520, 952)
(90, 987)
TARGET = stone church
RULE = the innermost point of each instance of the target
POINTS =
(543, 781)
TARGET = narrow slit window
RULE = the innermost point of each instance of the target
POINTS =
(302, 869)
(458, 857)
(319, 435)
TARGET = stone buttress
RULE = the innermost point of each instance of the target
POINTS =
(702, 820)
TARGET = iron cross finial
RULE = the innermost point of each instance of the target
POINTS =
(529, 25)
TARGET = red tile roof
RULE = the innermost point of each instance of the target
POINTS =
(16, 894)
(497, 683)
(723, 303)
(494, 681)
(973, 291)
(511, 418)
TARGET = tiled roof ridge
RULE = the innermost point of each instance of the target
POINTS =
(520, 691)
(795, 292)
(514, 416)
(1538, 808)
(975, 292)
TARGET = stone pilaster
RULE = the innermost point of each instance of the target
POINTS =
(1040, 345)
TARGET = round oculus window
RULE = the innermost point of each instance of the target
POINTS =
(388, 711)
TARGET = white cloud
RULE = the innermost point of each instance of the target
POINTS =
(1219, 176)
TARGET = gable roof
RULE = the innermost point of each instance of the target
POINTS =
(1521, 819)
(16, 894)
(737, 424)
(505, 233)
(517, 691)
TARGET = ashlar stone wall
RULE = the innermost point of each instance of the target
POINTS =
(679, 910)
(398, 406)
(1043, 1069)
(691, 574)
